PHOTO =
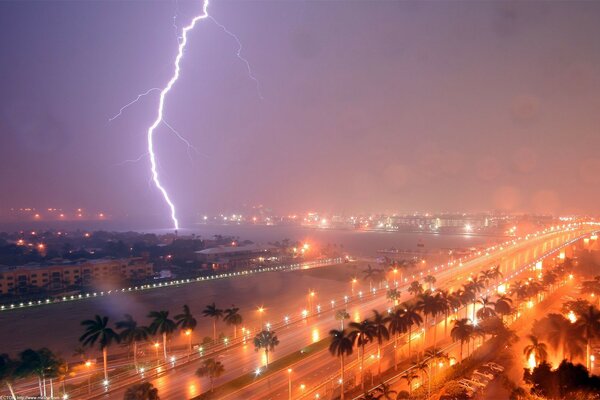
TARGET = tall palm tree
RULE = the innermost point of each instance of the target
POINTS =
(486, 276)
(462, 330)
(161, 324)
(589, 321)
(384, 392)
(131, 334)
(97, 330)
(430, 279)
(393, 295)
(215, 313)
(538, 349)
(554, 329)
(397, 324)
(212, 369)
(266, 340)
(371, 273)
(503, 306)
(141, 391)
(187, 323)
(495, 273)
(8, 373)
(341, 346)
(362, 333)
(341, 315)
(415, 288)
(487, 308)
(233, 318)
(409, 376)
(430, 305)
(38, 363)
(381, 333)
(411, 316)
(467, 295)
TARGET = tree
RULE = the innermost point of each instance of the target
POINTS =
(341, 346)
(211, 369)
(8, 373)
(161, 324)
(341, 315)
(141, 391)
(381, 333)
(131, 334)
(430, 304)
(393, 295)
(462, 330)
(385, 392)
(38, 363)
(266, 340)
(233, 318)
(589, 321)
(187, 323)
(537, 349)
(409, 376)
(97, 330)
(211, 311)
(371, 273)
(362, 333)
(415, 288)
(555, 329)
(503, 305)
(430, 279)
(487, 308)
(409, 316)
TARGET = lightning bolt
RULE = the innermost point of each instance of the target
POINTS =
(117, 115)
(239, 55)
(161, 105)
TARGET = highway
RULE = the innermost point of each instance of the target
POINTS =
(182, 383)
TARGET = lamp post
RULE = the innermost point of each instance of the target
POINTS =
(88, 364)
(289, 384)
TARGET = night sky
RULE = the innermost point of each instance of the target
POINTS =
(368, 106)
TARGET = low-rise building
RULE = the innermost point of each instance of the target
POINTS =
(233, 257)
(64, 274)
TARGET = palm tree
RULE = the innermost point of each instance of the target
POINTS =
(385, 392)
(503, 305)
(429, 304)
(589, 321)
(486, 277)
(362, 333)
(141, 391)
(434, 356)
(341, 315)
(487, 308)
(233, 318)
(495, 273)
(536, 349)
(554, 329)
(411, 316)
(38, 363)
(409, 376)
(8, 373)
(371, 273)
(393, 295)
(212, 369)
(381, 333)
(466, 295)
(430, 279)
(215, 313)
(415, 288)
(131, 334)
(341, 346)
(162, 325)
(462, 330)
(58, 369)
(187, 323)
(97, 330)
(80, 352)
(266, 340)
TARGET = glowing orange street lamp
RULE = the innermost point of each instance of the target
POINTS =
(261, 311)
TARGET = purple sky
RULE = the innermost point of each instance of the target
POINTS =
(385, 106)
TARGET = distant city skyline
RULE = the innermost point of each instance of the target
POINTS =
(368, 107)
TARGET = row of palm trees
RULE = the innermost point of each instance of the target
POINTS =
(42, 364)
(427, 304)
(569, 337)
(99, 333)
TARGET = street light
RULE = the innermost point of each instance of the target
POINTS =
(88, 364)
(289, 383)
(261, 311)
